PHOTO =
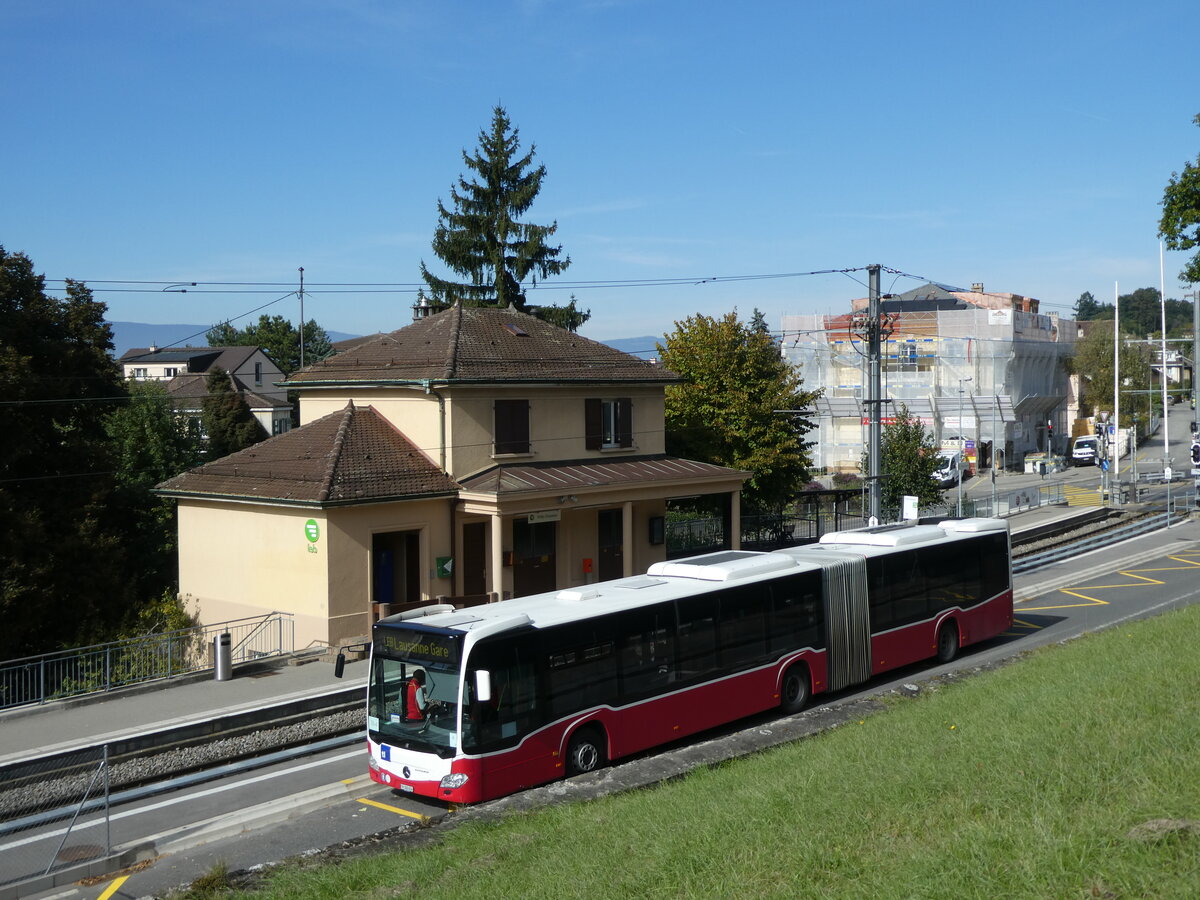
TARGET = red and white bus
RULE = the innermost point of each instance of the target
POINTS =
(524, 691)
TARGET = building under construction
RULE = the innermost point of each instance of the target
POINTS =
(979, 369)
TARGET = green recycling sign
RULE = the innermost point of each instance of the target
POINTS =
(312, 531)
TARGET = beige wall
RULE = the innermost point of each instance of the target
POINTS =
(556, 420)
(353, 529)
(240, 560)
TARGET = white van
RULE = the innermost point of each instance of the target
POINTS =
(949, 469)
(1085, 451)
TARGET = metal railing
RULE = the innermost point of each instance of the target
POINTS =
(1177, 511)
(102, 667)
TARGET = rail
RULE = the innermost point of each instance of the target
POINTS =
(54, 676)
(1176, 512)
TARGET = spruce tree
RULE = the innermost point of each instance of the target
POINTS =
(230, 424)
(480, 237)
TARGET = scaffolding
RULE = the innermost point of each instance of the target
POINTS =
(986, 378)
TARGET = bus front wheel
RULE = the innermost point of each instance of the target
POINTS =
(795, 690)
(585, 752)
(947, 641)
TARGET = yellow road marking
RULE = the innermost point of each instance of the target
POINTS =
(1143, 581)
(395, 809)
(113, 888)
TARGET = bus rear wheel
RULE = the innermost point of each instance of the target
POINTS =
(947, 642)
(585, 752)
(796, 690)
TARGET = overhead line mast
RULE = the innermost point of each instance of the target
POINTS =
(872, 330)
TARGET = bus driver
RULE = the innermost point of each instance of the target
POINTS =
(419, 705)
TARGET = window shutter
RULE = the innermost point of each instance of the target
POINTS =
(593, 429)
(512, 426)
(625, 422)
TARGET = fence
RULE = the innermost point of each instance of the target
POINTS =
(60, 810)
(102, 667)
(813, 514)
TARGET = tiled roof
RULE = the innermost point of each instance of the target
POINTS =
(198, 359)
(194, 387)
(570, 476)
(351, 456)
(475, 345)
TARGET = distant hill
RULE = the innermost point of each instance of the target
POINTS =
(127, 335)
(641, 347)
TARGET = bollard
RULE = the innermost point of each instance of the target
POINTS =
(223, 654)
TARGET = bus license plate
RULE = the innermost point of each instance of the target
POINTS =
(407, 788)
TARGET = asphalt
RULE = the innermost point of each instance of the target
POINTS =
(129, 715)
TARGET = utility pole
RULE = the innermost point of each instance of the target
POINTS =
(874, 393)
(870, 331)
(302, 317)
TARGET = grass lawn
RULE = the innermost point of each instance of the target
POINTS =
(1075, 773)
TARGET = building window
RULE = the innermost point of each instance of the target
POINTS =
(258, 373)
(170, 372)
(139, 373)
(511, 426)
(608, 423)
(280, 426)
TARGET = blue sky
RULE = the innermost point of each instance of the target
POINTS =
(1022, 145)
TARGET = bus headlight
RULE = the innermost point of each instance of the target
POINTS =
(454, 780)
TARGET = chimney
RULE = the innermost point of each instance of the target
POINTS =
(977, 287)
(153, 347)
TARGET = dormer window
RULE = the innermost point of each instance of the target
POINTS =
(608, 423)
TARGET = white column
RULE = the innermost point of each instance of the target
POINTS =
(496, 572)
(627, 538)
(735, 520)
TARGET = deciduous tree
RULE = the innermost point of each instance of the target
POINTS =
(908, 455)
(1093, 362)
(1180, 222)
(150, 444)
(63, 562)
(733, 406)
(278, 338)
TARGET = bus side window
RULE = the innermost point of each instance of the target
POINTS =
(645, 652)
(905, 573)
(743, 626)
(580, 666)
(796, 614)
(880, 593)
(697, 637)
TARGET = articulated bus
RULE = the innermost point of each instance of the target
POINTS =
(467, 705)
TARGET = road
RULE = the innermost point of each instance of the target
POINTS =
(298, 807)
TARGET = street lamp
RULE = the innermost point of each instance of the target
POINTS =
(962, 443)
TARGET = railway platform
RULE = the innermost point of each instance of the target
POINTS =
(123, 716)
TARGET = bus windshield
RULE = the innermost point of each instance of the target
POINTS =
(413, 690)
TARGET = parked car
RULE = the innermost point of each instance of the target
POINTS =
(1085, 450)
(949, 469)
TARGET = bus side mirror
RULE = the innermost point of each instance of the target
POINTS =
(483, 685)
(339, 665)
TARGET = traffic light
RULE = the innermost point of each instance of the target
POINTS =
(1196, 454)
